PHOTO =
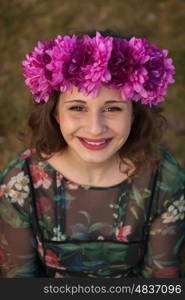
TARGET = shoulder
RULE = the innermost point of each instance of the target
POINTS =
(16, 165)
(170, 170)
(169, 164)
(167, 156)
(27, 168)
(14, 182)
(15, 192)
(170, 187)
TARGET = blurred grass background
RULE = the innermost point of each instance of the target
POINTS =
(24, 22)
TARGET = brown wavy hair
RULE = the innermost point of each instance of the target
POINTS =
(140, 148)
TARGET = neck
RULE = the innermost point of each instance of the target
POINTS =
(92, 172)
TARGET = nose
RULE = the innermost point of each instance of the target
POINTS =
(95, 124)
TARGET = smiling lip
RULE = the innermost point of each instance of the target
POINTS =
(105, 143)
(95, 141)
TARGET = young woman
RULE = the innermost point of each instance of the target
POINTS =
(94, 195)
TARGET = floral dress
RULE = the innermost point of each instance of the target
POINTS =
(51, 226)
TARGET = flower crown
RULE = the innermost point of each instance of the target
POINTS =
(141, 72)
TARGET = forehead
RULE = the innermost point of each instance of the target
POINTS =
(105, 94)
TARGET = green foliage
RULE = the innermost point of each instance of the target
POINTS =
(9, 214)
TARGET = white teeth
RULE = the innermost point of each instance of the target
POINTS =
(92, 143)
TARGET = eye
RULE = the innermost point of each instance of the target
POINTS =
(76, 108)
(113, 108)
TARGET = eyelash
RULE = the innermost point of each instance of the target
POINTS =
(76, 108)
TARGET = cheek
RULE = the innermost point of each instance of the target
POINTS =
(123, 127)
(68, 125)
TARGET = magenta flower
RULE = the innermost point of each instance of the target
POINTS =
(125, 65)
(61, 55)
(120, 63)
(35, 71)
(87, 67)
(95, 70)
(123, 232)
(160, 74)
(139, 71)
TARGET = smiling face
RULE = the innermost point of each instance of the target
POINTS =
(94, 128)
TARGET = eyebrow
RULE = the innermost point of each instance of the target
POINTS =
(106, 102)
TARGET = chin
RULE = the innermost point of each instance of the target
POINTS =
(95, 158)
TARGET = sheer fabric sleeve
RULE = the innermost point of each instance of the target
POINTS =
(18, 256)
(167, 230)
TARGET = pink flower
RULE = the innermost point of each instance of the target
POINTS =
(125, 65)
(138, 49)
(52, 260)
(120, 63)
(61, 56)
(37, 75)
(167, 272)
(140, 71)
(123, 232)
(25, 154)
(94, 68)
(39, 176)
(160, 74)
(58, 275)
